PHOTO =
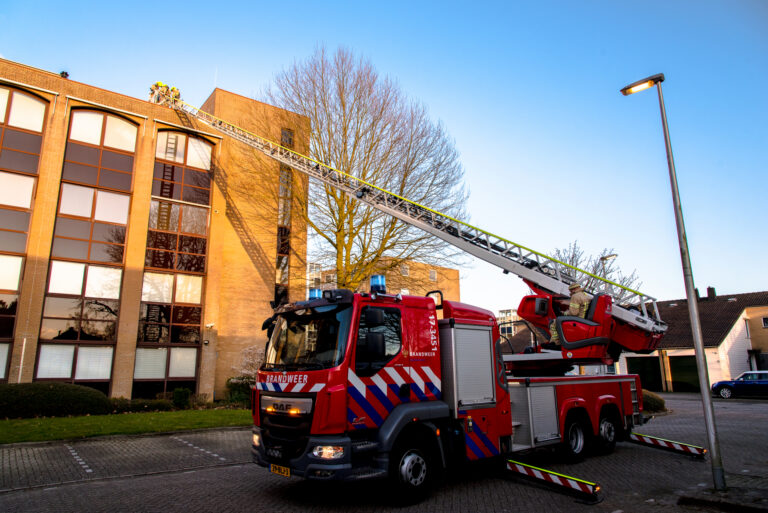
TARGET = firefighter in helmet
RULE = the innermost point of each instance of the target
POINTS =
(577, 307)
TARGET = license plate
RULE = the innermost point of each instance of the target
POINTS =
(282, 471)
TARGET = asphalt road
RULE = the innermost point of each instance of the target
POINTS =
(211, 471)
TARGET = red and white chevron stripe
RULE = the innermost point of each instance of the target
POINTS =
(653, 441)
(572, 483)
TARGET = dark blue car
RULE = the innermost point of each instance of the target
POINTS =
(749, 384)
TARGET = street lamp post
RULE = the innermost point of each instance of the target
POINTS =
(603, 260)
(718, 474)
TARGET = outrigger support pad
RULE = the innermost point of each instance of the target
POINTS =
(586, 490)
(669, 445)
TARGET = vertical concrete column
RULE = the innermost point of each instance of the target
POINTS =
(133, 275)
(666, 372)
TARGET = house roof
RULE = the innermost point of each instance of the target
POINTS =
(718, 314)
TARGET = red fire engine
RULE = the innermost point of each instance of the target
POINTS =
(362, 385)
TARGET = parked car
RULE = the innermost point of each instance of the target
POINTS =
(749, 384)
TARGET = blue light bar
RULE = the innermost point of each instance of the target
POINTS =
(315, 293)
(378, 284)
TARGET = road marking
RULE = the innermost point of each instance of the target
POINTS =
(193, 446)
(78, 459)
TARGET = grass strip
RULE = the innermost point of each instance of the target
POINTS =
(65, 428)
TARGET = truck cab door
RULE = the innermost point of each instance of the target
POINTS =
(378, 379)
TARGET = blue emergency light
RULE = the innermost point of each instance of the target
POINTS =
(378, 284)
(315, 293)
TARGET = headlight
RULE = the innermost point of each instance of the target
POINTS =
(256, 439)
(328, 452)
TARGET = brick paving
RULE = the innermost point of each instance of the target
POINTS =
(186, 472)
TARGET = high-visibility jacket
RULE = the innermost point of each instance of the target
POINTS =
(578, 305)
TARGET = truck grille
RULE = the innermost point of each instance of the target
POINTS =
(285, 436)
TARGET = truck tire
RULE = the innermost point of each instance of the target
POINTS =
(412, 469)
(575, 438)
(725, 392)
(607, 433)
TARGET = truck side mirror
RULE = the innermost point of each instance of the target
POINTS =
(374, 317)
(374, 345)
(541, 306)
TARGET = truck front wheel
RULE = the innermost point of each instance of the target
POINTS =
(412, 470)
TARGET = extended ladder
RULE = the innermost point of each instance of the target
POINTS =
(630, 305)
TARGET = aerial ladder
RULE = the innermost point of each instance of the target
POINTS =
(618, 319)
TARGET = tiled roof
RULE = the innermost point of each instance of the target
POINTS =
(717, 315)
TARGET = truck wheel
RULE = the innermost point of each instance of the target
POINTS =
(412, 470)
(725, 392)
(607, 434)
(575, 439)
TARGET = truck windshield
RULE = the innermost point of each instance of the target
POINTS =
(310, 338)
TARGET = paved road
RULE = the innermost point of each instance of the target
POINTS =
(211, 471)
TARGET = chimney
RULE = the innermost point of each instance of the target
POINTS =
(711, 293)
(696, 290)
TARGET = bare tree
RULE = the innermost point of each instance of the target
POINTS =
(603, 265)
(365, 126)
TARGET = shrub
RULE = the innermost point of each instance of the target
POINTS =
(181, 398)
(653, 403)
(239, 389)
(199, 401)
(51, 399)
(123, 405)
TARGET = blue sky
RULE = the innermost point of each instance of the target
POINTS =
(528, 90)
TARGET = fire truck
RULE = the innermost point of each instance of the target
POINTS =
(367, 385)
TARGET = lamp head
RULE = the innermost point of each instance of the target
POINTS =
(642, 85)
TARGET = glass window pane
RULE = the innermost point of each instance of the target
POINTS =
(185, 334)
(62, 307)
(17, 161)
(120, 134)
(97, 330)
(86, 127)
(76, 200)
(8, 304)
(161, 240)
(195, 195)
(6, 327)
(68, 248)
(160, 259)
(101, 309)
(165, 189)
(22, 141)
(197, 178)
(187, 314)
(94, 363)
(199, 154)
(183, 362)
(157, 287)
(170, 146)
(103, 282)
(191, 263)
(112, 207)
(13, 242)
(4, 348)
(14, 220)
(192, 244)
(194, 220)
(155, 313)
(26, 112)
(164, 216)
(3, 103)
(16, 190)
(117, 161)
(153, 333)
(168, 172)
(80, 173)
(83, 154)
(188, 288)
(55, 361)
(107, 253)
(10, 272)
(114, 180)
(66, 278)
(109, 233)
(150, 363)
(60, 329)
(72, 228)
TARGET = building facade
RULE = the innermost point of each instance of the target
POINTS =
(139, 250)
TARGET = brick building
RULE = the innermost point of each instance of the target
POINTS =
(139, 250)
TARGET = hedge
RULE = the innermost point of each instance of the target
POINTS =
(51, 399)
(653, 403)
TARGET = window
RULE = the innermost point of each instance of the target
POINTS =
(765, 322)
(171, 311)
(16, 190)
(432, 275)
(405, 292)
(390, 328)
(179, 174)
(106, 158)
(91, 225)
(10, 274)
(282, 268)
(177, 239)
(76, 363)
(404, 271)
(82, 302)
